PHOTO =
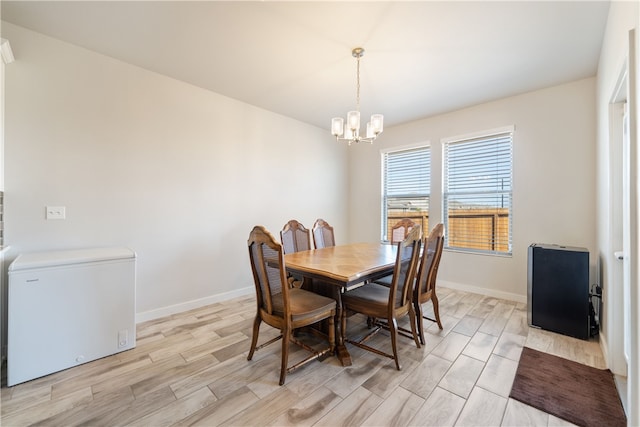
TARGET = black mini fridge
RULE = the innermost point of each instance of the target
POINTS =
(558, 289)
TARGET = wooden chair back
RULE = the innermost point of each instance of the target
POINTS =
(322, 234)
(425, 286)
(295, 237)
(267, 265)
(400, 230)
(429, 263)
(404, 273)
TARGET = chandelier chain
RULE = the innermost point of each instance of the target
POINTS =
(358, 84)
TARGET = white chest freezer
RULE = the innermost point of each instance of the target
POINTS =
(67, 308)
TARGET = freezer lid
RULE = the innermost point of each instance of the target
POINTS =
(70, 257)
(557, 247)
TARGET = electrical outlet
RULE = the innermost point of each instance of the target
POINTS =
(55, 212)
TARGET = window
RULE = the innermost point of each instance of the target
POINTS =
(406, 176)
(477, 197)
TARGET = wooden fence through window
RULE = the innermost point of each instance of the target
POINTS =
(469, 228)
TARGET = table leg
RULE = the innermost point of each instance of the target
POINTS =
(341, 349)
(332, 291)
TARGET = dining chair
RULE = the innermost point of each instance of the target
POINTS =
(295, 237)
(425, 283)
(400, 230)
(391, 303)
(322, 234)
(425, 286)
(283, 307)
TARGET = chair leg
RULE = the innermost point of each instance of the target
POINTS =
(370, 322)
(332, 334)
(286, 337)
(254, 338)
(412, 320)
(393, 331)
(436, 308)
(418, 313)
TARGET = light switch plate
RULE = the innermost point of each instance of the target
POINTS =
(55, 212)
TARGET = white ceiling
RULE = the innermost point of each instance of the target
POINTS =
(294, 58)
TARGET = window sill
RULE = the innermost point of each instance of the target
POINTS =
(472, 252)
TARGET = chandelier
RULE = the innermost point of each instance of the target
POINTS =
(350, 131)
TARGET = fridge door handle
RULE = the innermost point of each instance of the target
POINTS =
(619, 255)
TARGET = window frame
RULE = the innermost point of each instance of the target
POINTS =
(480, 137)
(421, 146)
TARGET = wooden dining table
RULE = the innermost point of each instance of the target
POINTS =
(333, 270)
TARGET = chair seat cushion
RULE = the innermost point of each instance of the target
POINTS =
(370, 298)
(385, 281)
(304, 304)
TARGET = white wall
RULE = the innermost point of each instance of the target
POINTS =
(175, 172)
(554, 180)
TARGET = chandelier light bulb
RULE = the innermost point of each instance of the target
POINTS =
(337, 126)
(353, 119)
(377, 123)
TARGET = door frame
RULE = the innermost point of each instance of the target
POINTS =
(625, 90)
(612, 292)
(633, 369)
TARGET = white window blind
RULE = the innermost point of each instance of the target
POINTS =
(406, 185)
(477, 199)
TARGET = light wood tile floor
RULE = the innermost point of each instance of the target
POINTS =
(191, 369)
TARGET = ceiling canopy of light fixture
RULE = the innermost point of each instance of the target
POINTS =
(350, 131)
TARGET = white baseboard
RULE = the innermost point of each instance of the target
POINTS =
(483, 291)
(604, 347)
(190, 305)
(621, 386)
